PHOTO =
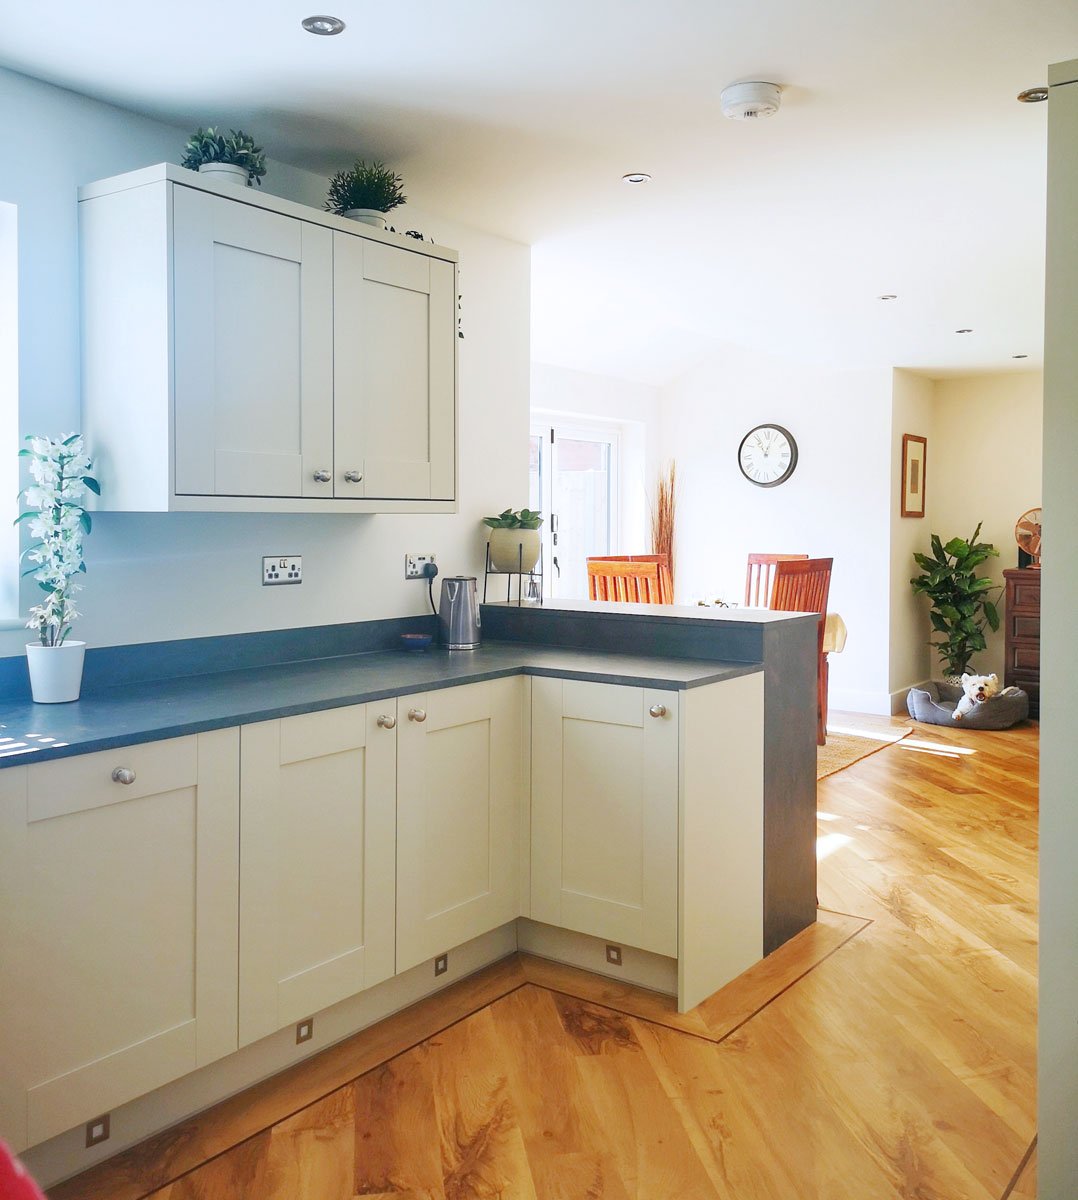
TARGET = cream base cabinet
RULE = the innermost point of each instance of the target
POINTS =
(459, 795)
(604, 852)
(316, 862)
(118, 937)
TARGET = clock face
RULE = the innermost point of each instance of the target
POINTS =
(767, 455)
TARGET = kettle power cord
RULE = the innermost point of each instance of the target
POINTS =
(430, 570)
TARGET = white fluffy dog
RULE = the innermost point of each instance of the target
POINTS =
(976, 690)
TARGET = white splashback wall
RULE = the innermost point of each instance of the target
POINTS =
(987, 468)
(160, 576)
(836, 503)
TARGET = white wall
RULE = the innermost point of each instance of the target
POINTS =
(1057, 1075)
(836, 504)
(912, 411)
(161, 576)
(986, 466)
(634, 407)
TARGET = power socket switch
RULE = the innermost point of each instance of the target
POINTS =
(282, 568)
(414, 565)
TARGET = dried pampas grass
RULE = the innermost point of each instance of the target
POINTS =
(662, 515)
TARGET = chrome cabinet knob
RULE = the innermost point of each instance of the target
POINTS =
(657, 710)
(323, 476)
(123, 775)
(417, 714)
(353, 476)
(385, 722)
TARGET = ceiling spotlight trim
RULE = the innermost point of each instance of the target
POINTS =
(1033, 95)
(1019, 356)
(636, 177)
(887, 296)
(750, 101)
(323, 26)
(963, 331)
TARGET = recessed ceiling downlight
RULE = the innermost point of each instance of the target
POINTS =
(887, 296)
(750, 101)
(963, 331)
(636, 177)
(323, 26)
(1019, 356)
(1036, 95)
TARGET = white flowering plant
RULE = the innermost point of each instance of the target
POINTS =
(58, 522)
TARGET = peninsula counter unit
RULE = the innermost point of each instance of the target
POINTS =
(196, 871)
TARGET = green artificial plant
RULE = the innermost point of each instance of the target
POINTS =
(365, 185)
(212, 146)
(961, 600)
(524, 519)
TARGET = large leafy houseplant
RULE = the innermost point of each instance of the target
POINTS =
(238, 148)
(58, 522)
(962, 604)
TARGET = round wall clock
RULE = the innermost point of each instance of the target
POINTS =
(767, 455)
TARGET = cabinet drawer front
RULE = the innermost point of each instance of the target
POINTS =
(1026, 625)
(1026, 595)
(1024, 656)
(71, 785)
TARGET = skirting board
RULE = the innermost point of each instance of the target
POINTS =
(67, 1154)
(640, 967)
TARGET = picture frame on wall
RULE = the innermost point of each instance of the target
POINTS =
(914, 458)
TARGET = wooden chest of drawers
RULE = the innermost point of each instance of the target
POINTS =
(1022, 625)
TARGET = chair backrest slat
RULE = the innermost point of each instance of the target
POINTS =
(802, 585)
(630, 579)
(760, 575)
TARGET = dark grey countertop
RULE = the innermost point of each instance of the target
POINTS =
(151, 710)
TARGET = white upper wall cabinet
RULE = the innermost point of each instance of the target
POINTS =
(244, 353)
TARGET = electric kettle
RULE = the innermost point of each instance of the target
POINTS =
(458, 613)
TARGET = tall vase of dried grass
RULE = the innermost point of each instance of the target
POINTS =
(662, 515)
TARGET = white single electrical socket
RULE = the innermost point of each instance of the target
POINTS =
(414, 564)
(282, 568)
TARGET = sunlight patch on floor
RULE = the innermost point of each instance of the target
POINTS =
(940, 749)
(829, 843)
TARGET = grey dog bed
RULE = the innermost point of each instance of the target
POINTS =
(935, 702)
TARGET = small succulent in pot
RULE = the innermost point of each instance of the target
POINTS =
(367, 188)
(207, 147)
(526, 518)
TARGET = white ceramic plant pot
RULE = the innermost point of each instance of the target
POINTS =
(369, 216)
(225, 173)
(55, 671)
(514, 549)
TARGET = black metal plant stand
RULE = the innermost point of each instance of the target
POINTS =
(529, 593)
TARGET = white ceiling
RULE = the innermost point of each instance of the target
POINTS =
(900, 161)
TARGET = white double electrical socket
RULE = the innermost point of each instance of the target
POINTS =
(282, 568)
(414, 564)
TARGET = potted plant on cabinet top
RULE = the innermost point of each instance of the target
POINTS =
(58, 521)
(961, 603)
(365, 192)
(232, 159)
(514, 539)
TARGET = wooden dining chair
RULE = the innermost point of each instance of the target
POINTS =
(802, 585)
(760, 575)
(630, 578)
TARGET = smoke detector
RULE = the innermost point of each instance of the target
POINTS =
(750, 101)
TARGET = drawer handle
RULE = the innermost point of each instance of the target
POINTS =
(322, 476)
(417, 714)
(123, 775)
(353, 476)
(385, 722)
(657, 710)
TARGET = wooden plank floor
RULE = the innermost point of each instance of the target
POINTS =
(886, 1054)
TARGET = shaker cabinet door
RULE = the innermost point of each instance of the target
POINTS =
(394, 372)
(253, 350)
(316, 863)
(459, 792)
(605, 811)
(118, 939)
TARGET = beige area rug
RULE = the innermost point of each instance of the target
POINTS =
(853, 737)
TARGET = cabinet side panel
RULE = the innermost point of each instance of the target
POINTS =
(443, 381)
(16, 943)
(721, 852)
(126, 345)
(546, 823)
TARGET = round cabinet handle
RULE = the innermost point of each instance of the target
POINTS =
(385, 722)
(123, 775)
(417, 714)
(657, 710)
(353, 476)
(323, 476)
